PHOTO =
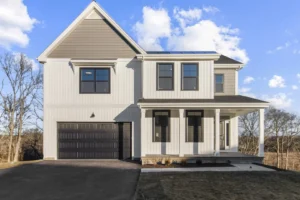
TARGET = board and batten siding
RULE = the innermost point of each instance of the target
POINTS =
(229, 80)
(206, 78)
(64, 103)
(173, 147)
(93, 39)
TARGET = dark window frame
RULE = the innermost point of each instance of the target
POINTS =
(169, 126)
(158, 77)
(219, 83)
(182, 77)
(95, 79)
(201, 139)
(227, 126)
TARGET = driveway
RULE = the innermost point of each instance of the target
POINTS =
(70, 180)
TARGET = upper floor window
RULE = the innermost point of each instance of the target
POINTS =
(189, 73)
(95, 80)
(194, 126)
(219, 83)
(165, 76)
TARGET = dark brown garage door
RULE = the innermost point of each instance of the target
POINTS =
(94, 140)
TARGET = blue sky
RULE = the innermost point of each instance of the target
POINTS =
(265, 32)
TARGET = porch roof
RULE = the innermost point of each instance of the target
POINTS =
(217, 99)
(226, 101)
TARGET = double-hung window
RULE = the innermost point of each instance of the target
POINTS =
(219, 83)
(194, 126)
(161, 129)
(95, 80)
(165, 76)
(189, 72)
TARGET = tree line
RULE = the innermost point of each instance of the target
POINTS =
(20, 104)
(282, 134)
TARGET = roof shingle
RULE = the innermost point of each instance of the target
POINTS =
(217, 99)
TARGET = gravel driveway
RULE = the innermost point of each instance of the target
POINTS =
(70, 180)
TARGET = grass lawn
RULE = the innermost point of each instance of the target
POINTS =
(220, 185)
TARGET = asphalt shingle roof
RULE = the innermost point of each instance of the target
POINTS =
(226, 60)
(217, 99)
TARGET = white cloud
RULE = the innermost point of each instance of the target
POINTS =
(294, 87)
(206, 35)
(32, 62)
(15, 23)
(156, 24)
(277, 82)
(210, 9)
(248, 80)
(246, 92)
(281, 47)
(296, 51)
(298, 76)
(185, 17)
(189, 32)
(280, 100)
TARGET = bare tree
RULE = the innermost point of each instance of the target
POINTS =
(18, 95)
(248, 125)
(291, 130)
(275, 120)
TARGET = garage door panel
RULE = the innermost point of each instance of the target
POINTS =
(94, 140)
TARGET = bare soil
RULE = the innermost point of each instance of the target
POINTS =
(11, 165)
(279, 185)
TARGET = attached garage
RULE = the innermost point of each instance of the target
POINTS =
(94, 140)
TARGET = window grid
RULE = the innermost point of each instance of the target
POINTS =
(95, 80)
(189, 75)
(219, 86)
(159, 76)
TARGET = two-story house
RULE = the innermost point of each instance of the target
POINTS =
(107, 98)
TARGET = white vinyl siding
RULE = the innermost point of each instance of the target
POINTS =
(205, 84)
(64, 103)
(229, 85)
(173, 147)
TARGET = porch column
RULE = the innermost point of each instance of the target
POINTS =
(261, 142)
(143, 136)
(217, 132)
(181, 132)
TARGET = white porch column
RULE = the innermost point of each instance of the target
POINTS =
(143, 133)
(217, 132)
(181, 132)
(261, 142)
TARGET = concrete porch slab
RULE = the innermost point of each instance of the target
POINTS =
(235, 168)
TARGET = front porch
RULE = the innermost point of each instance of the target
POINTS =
(223, 157)
(197, 130)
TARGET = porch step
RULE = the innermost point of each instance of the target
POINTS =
(232, 160)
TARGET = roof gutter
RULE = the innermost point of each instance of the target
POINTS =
(178, 56)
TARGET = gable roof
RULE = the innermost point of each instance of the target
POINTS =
(89, 12)
(226, 60)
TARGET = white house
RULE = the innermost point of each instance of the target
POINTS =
(107, 98)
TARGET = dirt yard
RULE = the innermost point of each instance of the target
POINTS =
(220, 185)
(10, 165)
(293, 161)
